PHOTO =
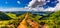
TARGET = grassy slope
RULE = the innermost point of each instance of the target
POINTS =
(53, 21)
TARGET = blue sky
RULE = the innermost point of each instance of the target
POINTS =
(24, 3)
(14, 3)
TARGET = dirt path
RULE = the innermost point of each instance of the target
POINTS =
(23, 23)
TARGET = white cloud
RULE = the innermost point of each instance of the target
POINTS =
(36, 3)
(18, 2)
(57, 7)
(14, 9)
(48, 1)
(50, 9)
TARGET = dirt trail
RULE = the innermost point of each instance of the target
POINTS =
(33, 24)
(23, 23)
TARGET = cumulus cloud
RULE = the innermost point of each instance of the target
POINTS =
(57, 7)
(36, 3)
(33, 4)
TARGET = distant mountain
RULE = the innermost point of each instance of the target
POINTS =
(32, 12)
(4, 16)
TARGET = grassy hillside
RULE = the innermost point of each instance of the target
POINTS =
(9, 20)
(3, 16)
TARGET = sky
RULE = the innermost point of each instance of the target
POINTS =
(29, 5)
(14, 3)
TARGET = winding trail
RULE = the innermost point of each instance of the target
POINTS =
(23, 23)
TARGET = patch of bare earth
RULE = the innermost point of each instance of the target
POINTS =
(33, 23)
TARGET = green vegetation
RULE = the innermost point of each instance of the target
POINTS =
(9, 20)
(3, 16)
(53, 21)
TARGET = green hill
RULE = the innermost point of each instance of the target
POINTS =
(12, 20)
(3, 16)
